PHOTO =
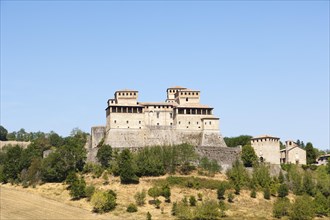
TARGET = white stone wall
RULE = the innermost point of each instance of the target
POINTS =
(296, 155)
(126, 120)
(268, 149)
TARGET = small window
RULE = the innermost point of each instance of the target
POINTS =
(134, 93)
(115, 121)
(210, 122)
(157, 114)
(139, 122)
(130, 94)
(139, 127)
(179, 122)
(127, 122)
(171, 123)
(186, 99)
(189, 123)
(197, 122)
(205, 122)
(157, 123)
(171, 115)
(185, 93)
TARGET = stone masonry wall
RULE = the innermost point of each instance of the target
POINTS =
(225, 156)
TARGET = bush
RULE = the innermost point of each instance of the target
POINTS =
(166, 192)
(200, 196)
(302, 209)
(231, 197)
(174, 208)
(105, 177)
(77, 189)
(221, 190)
(103, 201)
(140, 198)
(207, 210)
(253, 193)
(131, 208)
(127, 172)
(266, 193)
(154, 192)
(104, 154)
(192, 201)
(248, 156)
(237, 189)
(148, 216)
(283, 190)
(157, 203)
(321, 204)
(223, 208)
(261, 175)
(238, 174)
(89, 191)
(308, 184)
(281, 207)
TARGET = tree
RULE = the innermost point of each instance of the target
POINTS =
(154, 192)
(3, 133)
(78, 189)
(166, 192)
(12, 163)
(283, 190)
(192, 201)
(103, 201)
(140, 198)
(126, 170)
(104, 155)
(131, 208)
(221, 190)
(248, 156)
(302, 209)
(310, 153)
(241, 140)
(308, 184)
(238, 174)
(321, 204)
(281, 207)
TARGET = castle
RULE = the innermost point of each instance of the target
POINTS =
(180, 119)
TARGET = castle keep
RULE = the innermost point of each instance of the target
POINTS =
(180, 119)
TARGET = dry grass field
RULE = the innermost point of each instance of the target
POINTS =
(52, 201)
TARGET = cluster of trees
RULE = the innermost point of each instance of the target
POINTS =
(29, 167)
(312, 188)
(150, 161)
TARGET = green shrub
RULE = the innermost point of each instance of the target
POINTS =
(89, 191)
(71, 178)
(261, 175)
(253, 193)
(126, 168)
(103, 201)
(77, 189)
(174, 208)
(148, 216)
(248, 155)
(221, 190)
(308, 184)
(104, 154)
(266, 193)
(283, 190)
(140, 198)
(281, 207)
(238, 174)
(200, 196)
(281, 177)
(157, 203)
(223, 208)
(131, 208)
(192, 201)
(166, 192)
(209, 209)
(321, 205)
(231, 197)
(302, 209)
(237, 189)
(154, 192)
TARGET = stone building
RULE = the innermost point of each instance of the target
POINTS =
(267, 148)
(181, 118)
(293, 153)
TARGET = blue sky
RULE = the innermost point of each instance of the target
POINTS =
(263, 65)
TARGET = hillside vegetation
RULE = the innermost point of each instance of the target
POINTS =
(163, 182)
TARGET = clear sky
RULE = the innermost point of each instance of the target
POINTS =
(263, 65)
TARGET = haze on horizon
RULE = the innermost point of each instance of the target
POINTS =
(263, 66)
